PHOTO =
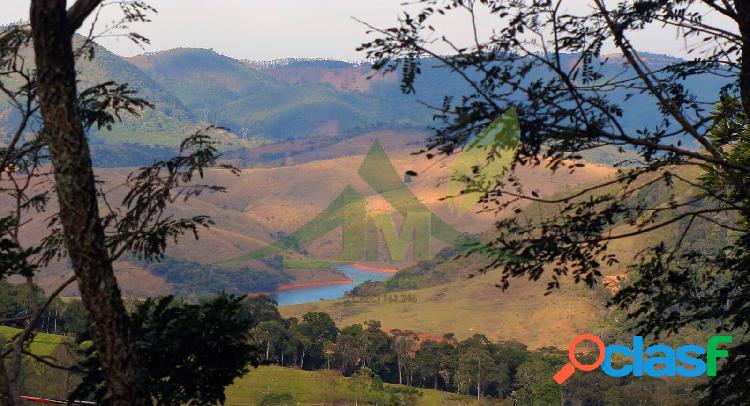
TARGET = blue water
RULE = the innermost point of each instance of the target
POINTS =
(305, 295)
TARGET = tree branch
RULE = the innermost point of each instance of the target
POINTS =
(78, 12)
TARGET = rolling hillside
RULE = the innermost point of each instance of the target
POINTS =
(163, 125)
(447, 294)
(263, 203)
(442, 297)
(203, 79)
(229, 92)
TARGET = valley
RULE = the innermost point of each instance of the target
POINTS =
(411, 229)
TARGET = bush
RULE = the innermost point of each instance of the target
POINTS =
(402, 396)
(277, 399)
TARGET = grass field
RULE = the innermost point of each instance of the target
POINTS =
(313, 388)
(43, 345)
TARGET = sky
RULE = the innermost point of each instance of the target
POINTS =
(271, 29)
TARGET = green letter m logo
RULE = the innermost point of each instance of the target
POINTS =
(416, 223)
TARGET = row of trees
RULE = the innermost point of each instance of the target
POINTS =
(225, 336)
(476, 366)
(66, 317)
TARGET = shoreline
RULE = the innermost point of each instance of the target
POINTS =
(300, 285)
(373, 269)
(303, 285)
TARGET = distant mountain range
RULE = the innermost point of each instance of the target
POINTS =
(299, 99)
(281, 101)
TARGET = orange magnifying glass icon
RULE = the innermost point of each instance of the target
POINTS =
(568, 369)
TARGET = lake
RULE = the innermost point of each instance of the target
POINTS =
(313, 294)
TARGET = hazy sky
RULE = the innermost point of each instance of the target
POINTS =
(271, 29)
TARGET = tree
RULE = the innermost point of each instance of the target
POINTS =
(544, 60)
(190, 352)
(88, 229)
(329, 350)
(74, 317)
(534, 383)
(348, 350)
(304, 345)
(53, 28)
(478, 368)
(509, 355)
(427, 363)
(376, 347)
(361, 384)
(261, 308)
(315, 329)
(404, 342)
(270, 334)
(319, 326)
(403, 396)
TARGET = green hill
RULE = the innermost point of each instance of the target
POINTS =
(229, 92)
(203, 79)
(43, 345)
(316, 387)
(166, 124)
(163, 125)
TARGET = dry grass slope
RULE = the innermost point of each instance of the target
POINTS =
(468, 306)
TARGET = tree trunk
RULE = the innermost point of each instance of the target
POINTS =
(76, 194)
(400, 380)
(743, 22)
(8, 396)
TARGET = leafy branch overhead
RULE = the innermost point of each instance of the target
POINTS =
(143, 227)
(682, 182)
(548, 65)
